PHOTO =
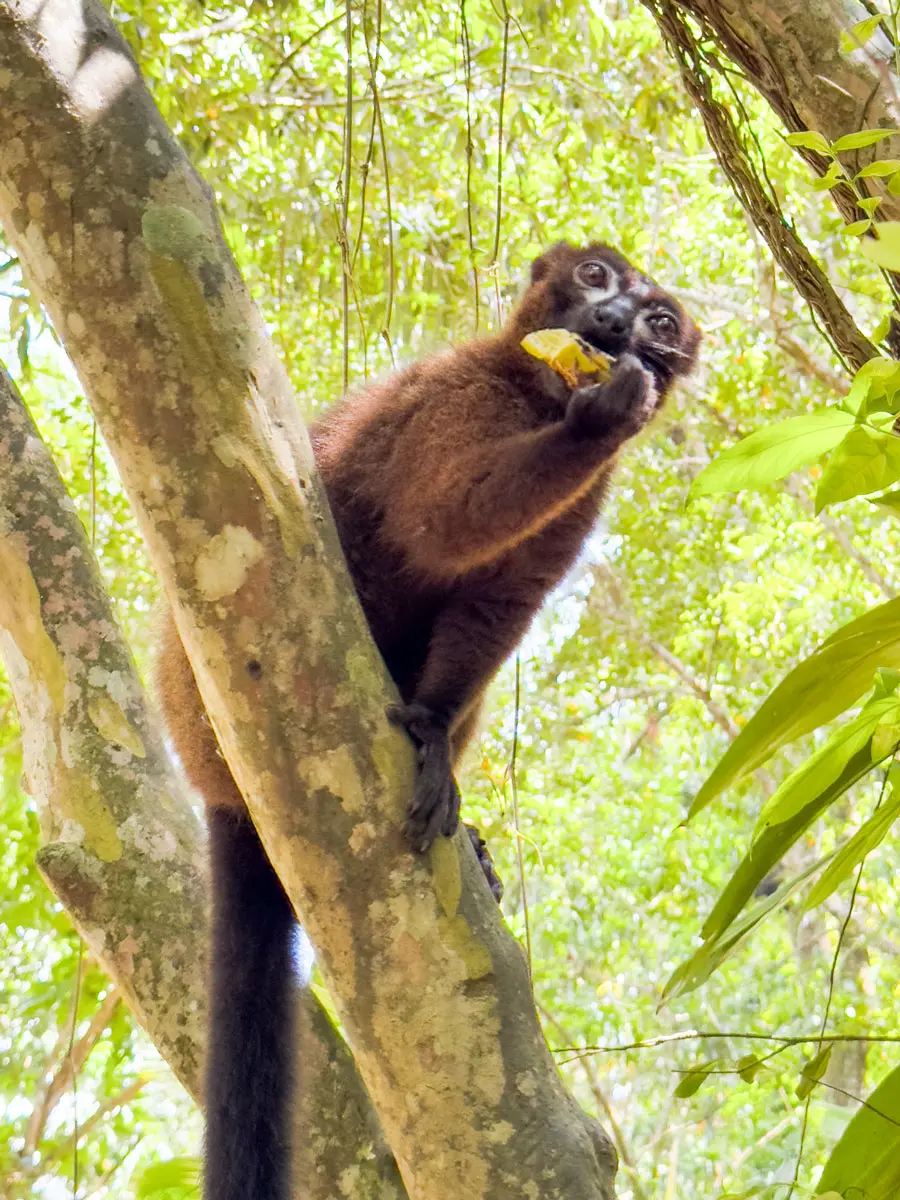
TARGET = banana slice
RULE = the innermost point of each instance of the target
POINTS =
(567, 354)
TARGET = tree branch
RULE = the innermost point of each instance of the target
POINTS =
(61, 1078)
(790, 51)
(624, 615)
(123, 845)
(760, 202)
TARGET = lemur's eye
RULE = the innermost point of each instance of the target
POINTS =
(593, 274)
(664, 326)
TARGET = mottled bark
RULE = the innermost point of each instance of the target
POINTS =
(790, 50)
(124, 851)
(111, 813)
(731, 138)
(122, 244)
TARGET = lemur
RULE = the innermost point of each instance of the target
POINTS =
(463, 489)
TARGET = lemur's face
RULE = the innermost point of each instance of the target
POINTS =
(598, 294)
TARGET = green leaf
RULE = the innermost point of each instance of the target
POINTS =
(851, 854)
(175, 1176)
(856, 227)
(885, 740)
(857, 35)
(889, 501)
(884, 250)
(865, 137)
(879, 168)
(866, 1160)
(864, 462)
(815, 692)
(869, 204)
(874, 378)
(694, 1078)
(882, 329)
(825, 765)
(894, 184)
(770, 846)
(886, 683)
(813, 1070)
(698, 968)
(749, 1067)
(832, 177)
(809, 140)
(773, 452)
(879, 412)
(828, 181)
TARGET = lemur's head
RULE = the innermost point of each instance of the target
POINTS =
(595, 292)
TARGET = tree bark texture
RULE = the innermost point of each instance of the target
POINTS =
(121, 242)
(790, 50)
(731, 138)
(123, 850)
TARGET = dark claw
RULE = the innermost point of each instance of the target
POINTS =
(479, 845)
(435, 804)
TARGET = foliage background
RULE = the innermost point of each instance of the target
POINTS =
(676, 624)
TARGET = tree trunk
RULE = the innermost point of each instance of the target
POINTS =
(122, 245)
(123, 850)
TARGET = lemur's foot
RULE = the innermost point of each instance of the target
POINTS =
(487, 863)
(435, 804)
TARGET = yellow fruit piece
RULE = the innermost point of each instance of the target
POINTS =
(567, 354)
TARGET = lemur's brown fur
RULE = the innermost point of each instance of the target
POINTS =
(463, 489)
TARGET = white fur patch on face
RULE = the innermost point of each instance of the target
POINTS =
(638, 286)
(651, 401)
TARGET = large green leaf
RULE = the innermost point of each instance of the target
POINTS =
(826, 764)
(709, 957)
(864, 137)
(774, 843)
(866, 1160)
(885, 251)
(865, 461)
(857, 35)
(869, 835)
(773, 452)
(876, 377)
(815, 692)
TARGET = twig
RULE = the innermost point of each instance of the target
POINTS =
(503, 73)
(687, 1035)
(125, 1096)
(520, 858)
(345, 195)
(470, 150)
(228, 24)
(73, 1062)
(832, 975)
